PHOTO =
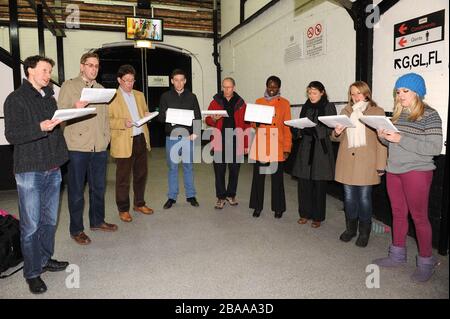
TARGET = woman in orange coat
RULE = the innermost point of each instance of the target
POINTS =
(270, 148)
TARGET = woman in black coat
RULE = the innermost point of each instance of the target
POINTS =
(314, 163)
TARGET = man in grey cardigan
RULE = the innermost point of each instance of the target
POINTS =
(39, 151)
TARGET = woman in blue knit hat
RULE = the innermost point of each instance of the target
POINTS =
(410, 172)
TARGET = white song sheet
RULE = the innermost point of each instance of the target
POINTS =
(300, 123)
(145, 119)
(215, 112)
(333, 120)
(378, 122)
(68, 114)
(259, 113)
(179, 116)
(97, 95)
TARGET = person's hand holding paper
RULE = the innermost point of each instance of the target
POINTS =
(49, 125)
(393, 137)
(339, 129)
(81, 104)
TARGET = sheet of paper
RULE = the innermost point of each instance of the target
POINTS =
(179, 116)
(333, 120)
(300, 123)
(259, 113)
(145, 119)
(68, 114)
(215, 112)
(93, 95)
(378, 122)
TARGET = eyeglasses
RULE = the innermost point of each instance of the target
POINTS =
(97, 66)
(128, 81)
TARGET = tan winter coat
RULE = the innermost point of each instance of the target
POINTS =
(121, 136)
(86, 134)
(358, 166)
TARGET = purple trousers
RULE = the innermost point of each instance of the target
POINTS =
(410, 192)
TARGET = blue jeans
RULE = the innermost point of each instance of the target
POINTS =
(38, 209)
(180, 149)
(93, 166)
(358, 202)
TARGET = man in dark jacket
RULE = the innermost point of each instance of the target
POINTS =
(228, 148)
(39, 151)
(179, 138)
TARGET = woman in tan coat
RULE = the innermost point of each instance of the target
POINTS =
(361, 161)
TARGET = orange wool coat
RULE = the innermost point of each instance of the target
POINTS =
(273, 140)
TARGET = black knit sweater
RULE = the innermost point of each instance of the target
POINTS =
(34, 150)
(186, 100)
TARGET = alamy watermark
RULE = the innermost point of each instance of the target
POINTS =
(73, 17)
(373, 17)
(73, 279)
(373, 279)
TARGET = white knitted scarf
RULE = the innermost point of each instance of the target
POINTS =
(356, 136)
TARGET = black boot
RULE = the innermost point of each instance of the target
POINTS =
(350, 232)
(364, 234)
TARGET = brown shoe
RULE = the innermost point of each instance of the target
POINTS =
(143, 209)
(315, 224)
(81, 239)
(105, 227)
(220, 204)
(302, 221)
(232, 201)
(125, 217)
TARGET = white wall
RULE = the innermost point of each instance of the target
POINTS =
(229, 15)
(257, 50)
(251, 6)
(384, 74)
(6, 87)
(78, 42)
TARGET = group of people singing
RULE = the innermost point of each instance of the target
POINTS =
(42, 145)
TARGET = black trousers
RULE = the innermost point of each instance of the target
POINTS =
(278, 200)
(233, 175)
(312, 196)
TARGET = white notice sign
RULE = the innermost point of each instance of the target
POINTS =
(314, 40)
(158, 81)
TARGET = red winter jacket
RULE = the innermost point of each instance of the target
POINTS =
(239, 112)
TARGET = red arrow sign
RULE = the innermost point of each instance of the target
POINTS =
(402, 29)
(402, 42)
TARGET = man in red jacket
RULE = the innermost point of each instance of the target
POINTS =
(229, 140)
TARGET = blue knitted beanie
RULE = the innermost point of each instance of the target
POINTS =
(413, 82)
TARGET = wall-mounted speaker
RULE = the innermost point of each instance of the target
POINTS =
(143, 4)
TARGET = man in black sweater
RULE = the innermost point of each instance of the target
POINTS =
(39, 151)
(179, 138)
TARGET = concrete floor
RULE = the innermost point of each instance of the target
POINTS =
(188, 252)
